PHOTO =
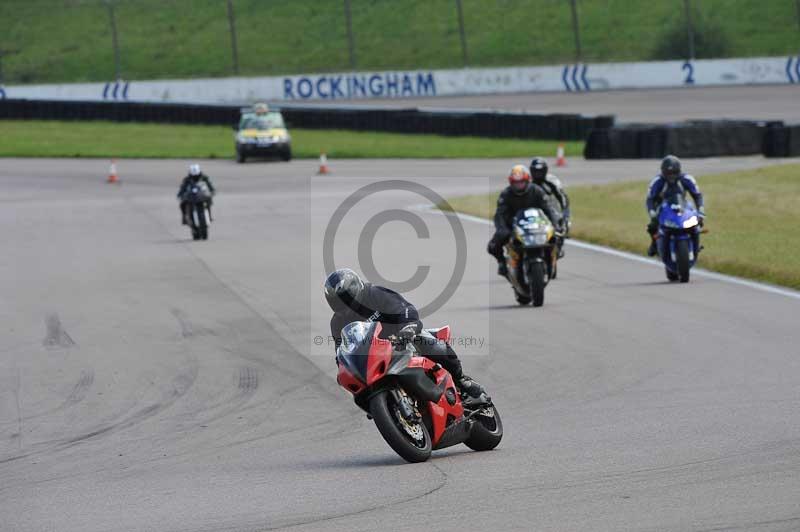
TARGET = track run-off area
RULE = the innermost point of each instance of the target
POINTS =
(768, 102)
(149, 382)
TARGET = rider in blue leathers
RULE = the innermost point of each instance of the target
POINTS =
(668, 182)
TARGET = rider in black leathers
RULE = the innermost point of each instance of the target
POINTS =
(352, 299)
(194, 176)
(554, 191)
(518, 195)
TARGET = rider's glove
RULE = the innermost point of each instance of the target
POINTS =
(408, 332)
(653, 213)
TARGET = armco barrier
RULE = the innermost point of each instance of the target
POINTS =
(442, 122)
(707, 138)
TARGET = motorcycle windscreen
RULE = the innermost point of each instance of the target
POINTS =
(677, 212)
(532, 227)
(199, 192)
(353, 353)
(529, 215)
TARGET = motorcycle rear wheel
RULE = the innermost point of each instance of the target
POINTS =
(486, 432)
(388, 420)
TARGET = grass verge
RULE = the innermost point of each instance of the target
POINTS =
(752, 221)
(35, 138)
(48, 41)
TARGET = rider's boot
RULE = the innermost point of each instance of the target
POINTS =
(652, 251)
(502, 269)
(469, 386)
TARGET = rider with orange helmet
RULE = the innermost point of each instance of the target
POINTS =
(518, 195)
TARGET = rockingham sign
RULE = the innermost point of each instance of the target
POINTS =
(348, 86)
(428, 83)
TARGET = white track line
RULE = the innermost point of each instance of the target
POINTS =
(764, 287)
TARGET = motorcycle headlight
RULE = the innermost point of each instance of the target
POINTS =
(536, 239)
(671, 224)
(691, 222)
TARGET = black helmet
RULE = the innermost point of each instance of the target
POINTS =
(671, 168)
(538, 170)
(342, 288)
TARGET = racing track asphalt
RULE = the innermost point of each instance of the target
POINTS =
(749, 102)
(148, 382)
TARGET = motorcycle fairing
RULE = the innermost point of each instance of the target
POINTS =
(441, 333)
(441, 411)
(363, 362)
(677, 220)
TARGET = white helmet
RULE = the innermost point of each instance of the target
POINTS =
(194, 169)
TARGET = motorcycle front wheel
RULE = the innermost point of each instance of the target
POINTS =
(671, 276)
(410, 440)
(536, 282)
(682, 256)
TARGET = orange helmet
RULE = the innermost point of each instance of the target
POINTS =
(519, 178)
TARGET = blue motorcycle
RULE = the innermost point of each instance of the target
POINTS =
(678, 237)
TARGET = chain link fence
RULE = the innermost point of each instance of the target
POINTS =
(98, 40)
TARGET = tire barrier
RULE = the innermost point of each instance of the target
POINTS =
(118, 112)
(781, 140)
(359, 118)
(705, 138)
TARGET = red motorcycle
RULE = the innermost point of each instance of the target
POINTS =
(413, 400)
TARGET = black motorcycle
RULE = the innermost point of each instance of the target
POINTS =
(532, 256)
(198, 207)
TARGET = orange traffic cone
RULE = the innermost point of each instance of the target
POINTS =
(561, 160)
(112, 172)
(323, 164)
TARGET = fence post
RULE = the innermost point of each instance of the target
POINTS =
(351, 46)
(462, 33)
(3, 54)
(114, 39)
(576, 31)
(234, 47)
(687, 6)
(798, 14)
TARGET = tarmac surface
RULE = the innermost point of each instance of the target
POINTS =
(762, 102)
(149, 382)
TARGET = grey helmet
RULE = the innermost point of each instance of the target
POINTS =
(671, 168)
(343, 288)
(538, 170)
